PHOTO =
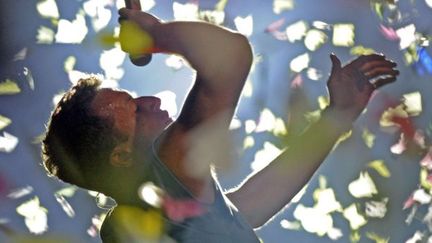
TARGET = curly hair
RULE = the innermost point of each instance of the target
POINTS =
(77, 142)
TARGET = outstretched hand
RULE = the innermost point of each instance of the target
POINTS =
(351, 86)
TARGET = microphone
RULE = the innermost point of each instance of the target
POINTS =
(142, 59)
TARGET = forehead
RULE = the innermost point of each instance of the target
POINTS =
(108, 96)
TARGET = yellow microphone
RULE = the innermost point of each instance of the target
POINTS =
(132, 38)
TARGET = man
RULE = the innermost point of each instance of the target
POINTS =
(105, 140)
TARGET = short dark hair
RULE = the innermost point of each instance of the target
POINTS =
(77, 141)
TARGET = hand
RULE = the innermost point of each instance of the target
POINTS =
(350, 87)
(137, 35)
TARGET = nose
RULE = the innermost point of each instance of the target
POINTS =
(148, 103)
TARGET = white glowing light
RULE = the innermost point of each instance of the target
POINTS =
(315, 39)
(355, 219)
(110, 61)
(8, 142)
(185, 12)
(429, 3)
(48, 9)
(244, 25)
(406, 35)
(300, 62)
(343, 34)
(282, 5)
(35, 216)
(264, 156)
(45, 35)
(71, 32)
(168, 102)
(150, 194)
(363, 186)
(296, 31)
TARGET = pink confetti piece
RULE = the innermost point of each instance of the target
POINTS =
(389, 33)
(409, 202)
(273, 29)
(297, 82)
(427, 160)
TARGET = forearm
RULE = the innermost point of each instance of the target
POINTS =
(221, 58)
(273, 187)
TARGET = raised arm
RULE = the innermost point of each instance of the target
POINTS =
(221, 59)
(265, 193)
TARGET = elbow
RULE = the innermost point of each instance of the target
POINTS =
(244, 49)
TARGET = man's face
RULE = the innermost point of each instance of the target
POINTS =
(135, 117)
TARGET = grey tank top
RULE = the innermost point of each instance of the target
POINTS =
(221, 222)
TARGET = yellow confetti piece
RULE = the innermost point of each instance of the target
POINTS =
(69, 63)
(368, 138)
(248, 142)
(377, 238)
(361, 50)
(9, 87)
(323, 102)
(4, 122)
(380, 167)
(220, 6)
(133, 39)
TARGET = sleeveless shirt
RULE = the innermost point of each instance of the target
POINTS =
(221, 222)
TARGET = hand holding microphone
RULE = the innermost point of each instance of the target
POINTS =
(134, 40)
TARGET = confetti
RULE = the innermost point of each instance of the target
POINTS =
(29, 77)
(71, 32)
(315, 39)
(110, 61)
(380, 167)
(264, 156)
(413, 103)
(282, 5)
(48, 9)
(300, 63)
(355, 219)
(175, 62)
(296, 31)
(8, 142)
(313, 220)
(35, 216)
(67, 208)
(290, 225)
(9, 87)
(185, 12)
(45, 35)
(368, 138)
(376, 209)
(21, 55)
(248, 142)
(100, 15)
(244, 25)
(4, 122)
(363, 186)
(20, 192)
(406, 35)
(343, 34)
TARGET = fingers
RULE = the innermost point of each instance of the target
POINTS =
(381, 82)
(368, 66)
(381, 71)
(363, 59)
(336, 63)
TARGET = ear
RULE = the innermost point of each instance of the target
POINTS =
(121, 156)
